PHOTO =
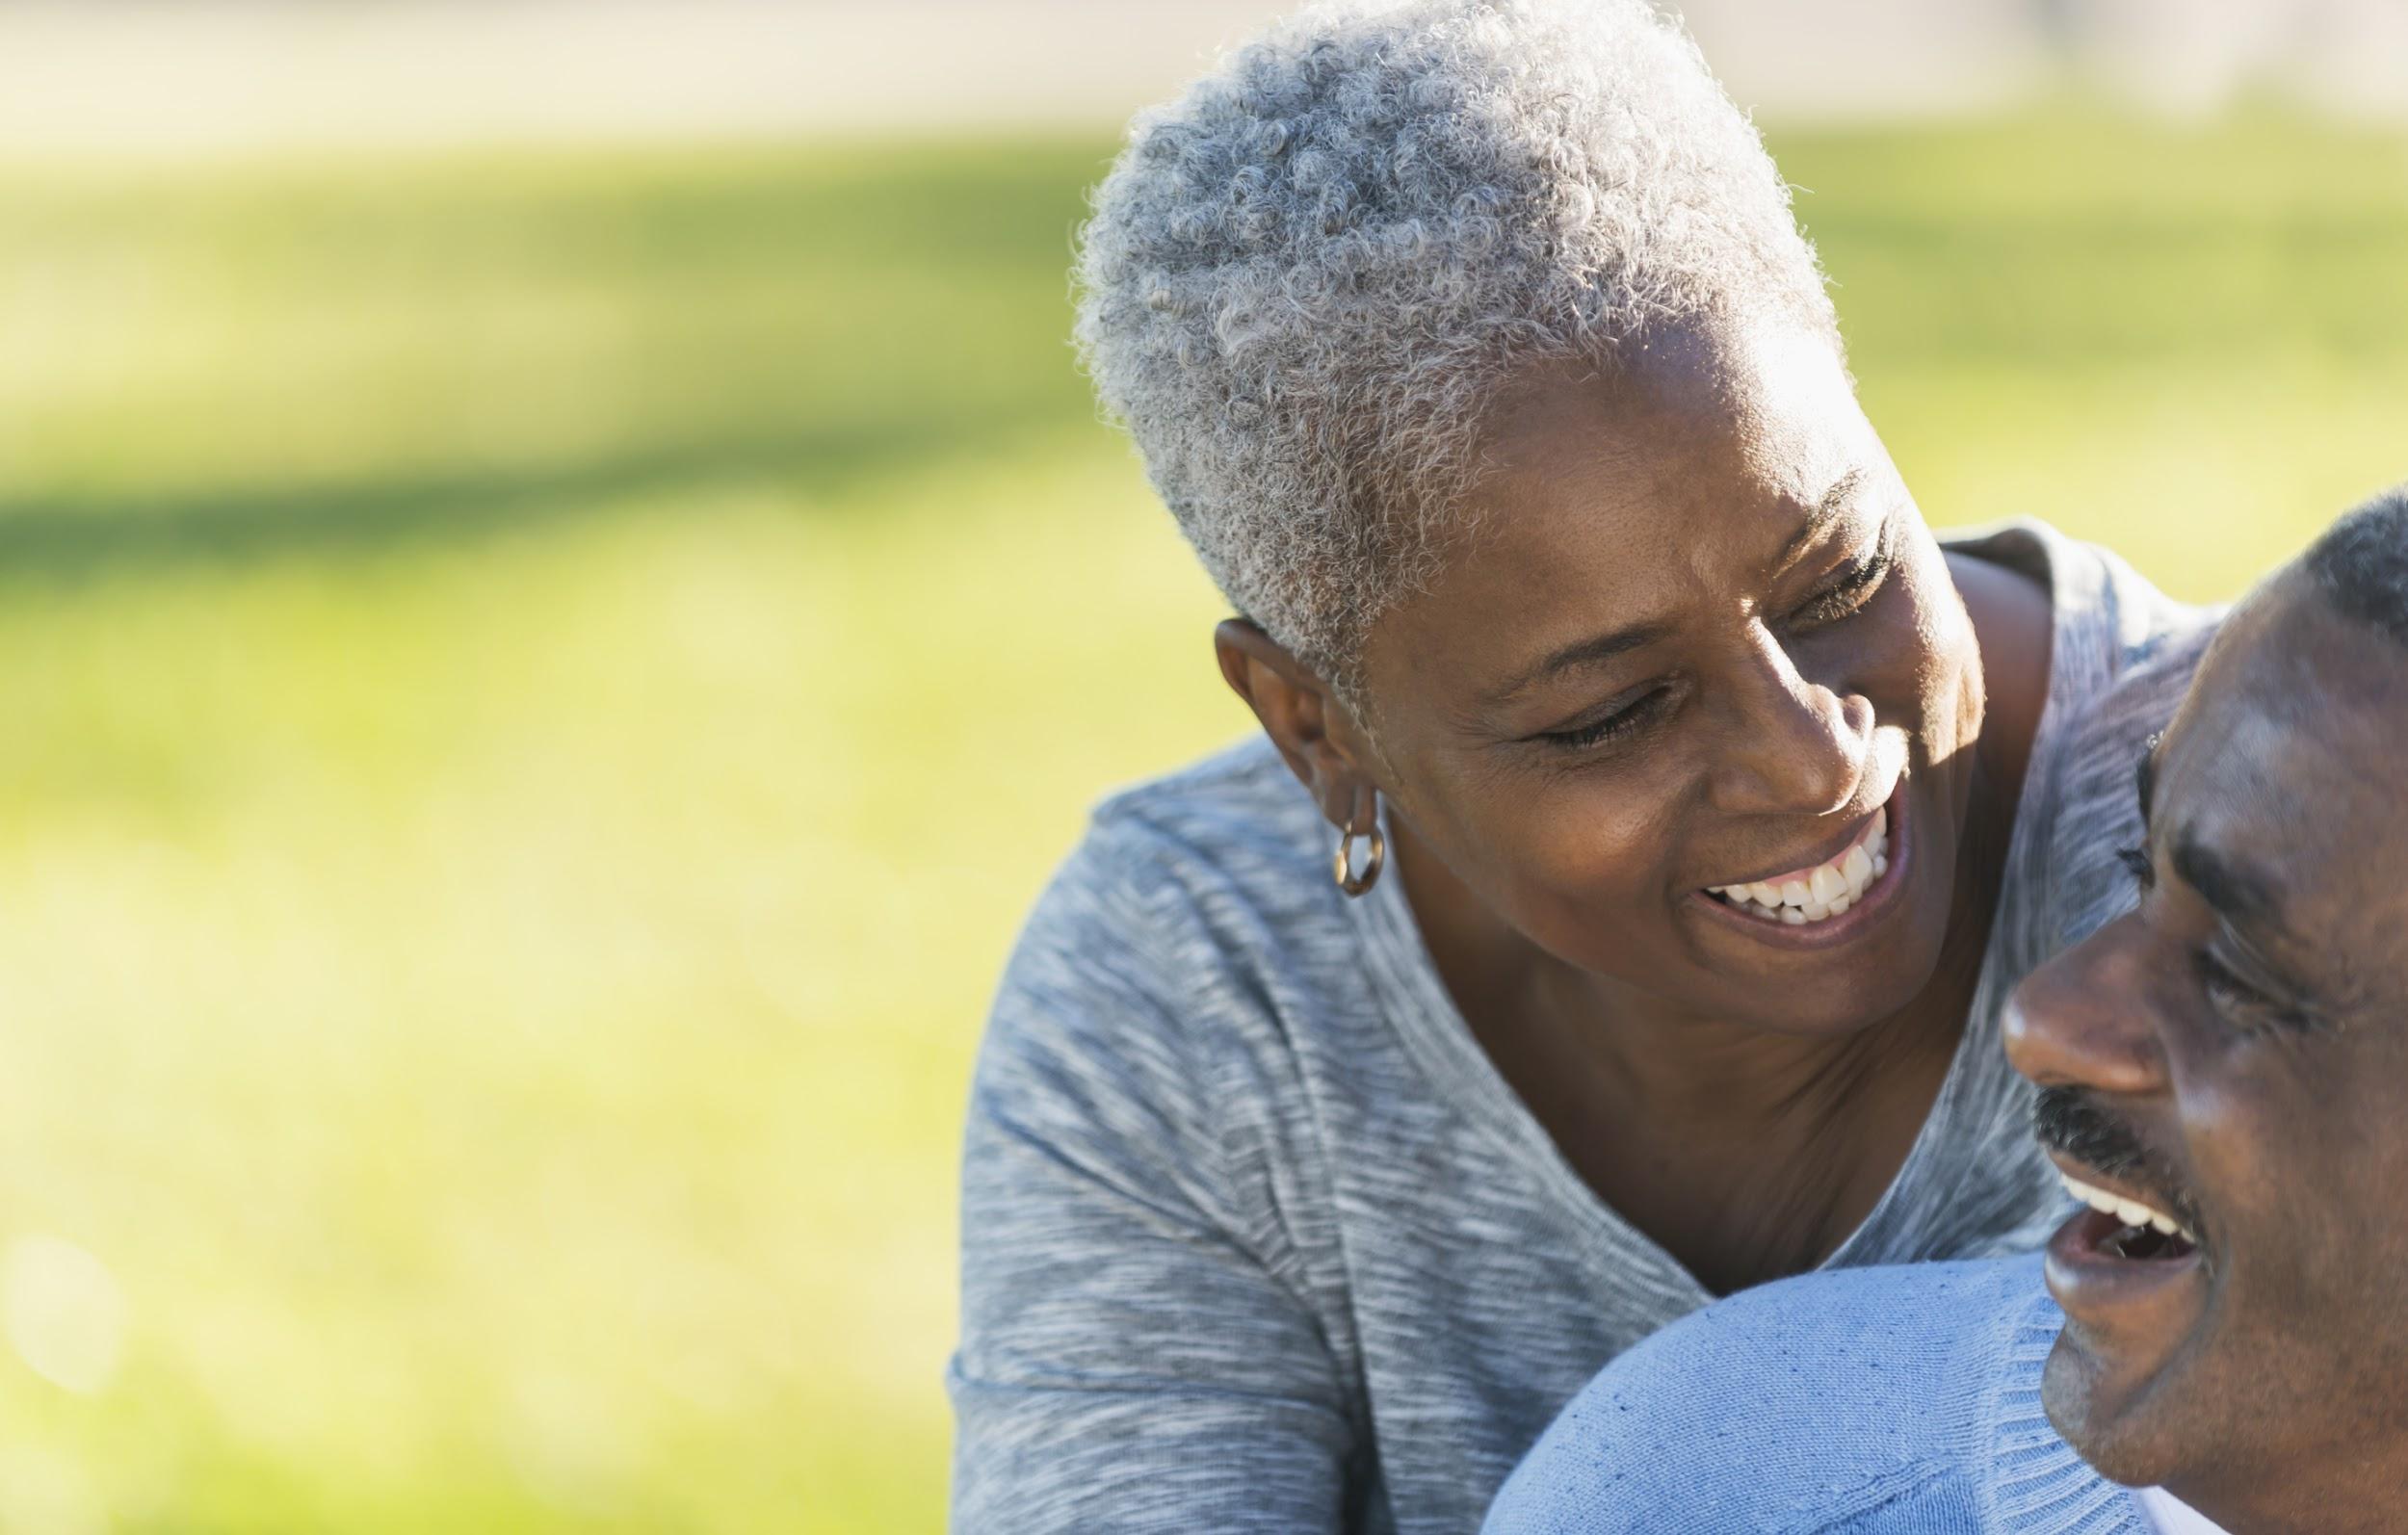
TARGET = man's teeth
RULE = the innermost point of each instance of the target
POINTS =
(1824, 892)
(2131, 1211)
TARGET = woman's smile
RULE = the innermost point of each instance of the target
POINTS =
(1819, 891)
(1806, 896)
(1836, 901)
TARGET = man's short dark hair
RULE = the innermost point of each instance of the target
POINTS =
(2361, 564)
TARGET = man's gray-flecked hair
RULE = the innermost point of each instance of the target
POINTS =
(1308, 276)
(2361, 564)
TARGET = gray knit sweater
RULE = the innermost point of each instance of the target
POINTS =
(1255, 1238)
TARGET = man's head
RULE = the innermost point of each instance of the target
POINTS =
(2232, 1057)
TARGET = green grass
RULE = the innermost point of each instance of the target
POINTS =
(539, 689)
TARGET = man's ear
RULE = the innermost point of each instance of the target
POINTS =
(1300, 714)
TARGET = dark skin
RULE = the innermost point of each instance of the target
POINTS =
(1772, 646)
(2245, 1030)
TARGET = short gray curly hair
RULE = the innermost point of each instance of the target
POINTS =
(1307, 277)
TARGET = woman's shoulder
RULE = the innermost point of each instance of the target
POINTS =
(1226, 836)
(2108, 617)
(2121, 656)
(1156, 949)
(2096, 784)
(2142, 648)
(2130, 661)
(1239, 800)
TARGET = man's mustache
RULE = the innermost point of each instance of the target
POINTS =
(2071, 1121)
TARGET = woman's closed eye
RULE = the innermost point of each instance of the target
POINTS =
(1845, 594)
(1614, 725)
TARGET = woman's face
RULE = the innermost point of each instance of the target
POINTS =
(1699, 638)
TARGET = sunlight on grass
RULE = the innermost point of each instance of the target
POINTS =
(542, 688)
(505, 1011)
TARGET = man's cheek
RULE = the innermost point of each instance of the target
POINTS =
(2226, 1142)
(2274, 1177)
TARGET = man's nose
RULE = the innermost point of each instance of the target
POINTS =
(2084, 1018)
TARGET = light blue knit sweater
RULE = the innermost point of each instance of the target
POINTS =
(1869, 1401)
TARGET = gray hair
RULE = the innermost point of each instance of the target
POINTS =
(1308, 276)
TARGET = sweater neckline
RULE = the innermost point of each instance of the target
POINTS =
(2034, 1483)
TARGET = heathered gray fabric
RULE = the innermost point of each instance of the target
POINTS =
(1254, 1238)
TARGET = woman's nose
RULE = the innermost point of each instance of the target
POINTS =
(1801, 747)
(2085, 1018)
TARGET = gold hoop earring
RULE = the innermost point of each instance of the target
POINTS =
(1342, 865)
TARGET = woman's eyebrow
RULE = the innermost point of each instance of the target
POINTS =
(1589, 652)
(1832, 506)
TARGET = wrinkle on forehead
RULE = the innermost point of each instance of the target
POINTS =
(1770, 392)
(2293, 749)
(1767, 411)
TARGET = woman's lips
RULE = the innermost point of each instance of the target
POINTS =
(1873, 825)
(1874, 898)
(1822, 890)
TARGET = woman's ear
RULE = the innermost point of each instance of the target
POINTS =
(1298, 712)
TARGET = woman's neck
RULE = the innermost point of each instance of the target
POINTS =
(1746, 1154)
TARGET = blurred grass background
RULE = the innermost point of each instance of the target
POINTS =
(539, 686)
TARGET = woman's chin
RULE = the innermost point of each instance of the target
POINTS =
(1807, 1010)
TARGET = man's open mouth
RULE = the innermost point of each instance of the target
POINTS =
(2132, 1263)
(2122, 1227)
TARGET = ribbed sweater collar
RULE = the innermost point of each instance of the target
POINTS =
(2038, 1486)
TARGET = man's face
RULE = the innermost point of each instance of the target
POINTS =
(2233, 1056)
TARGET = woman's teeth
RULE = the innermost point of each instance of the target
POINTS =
(2131, 1211)
(1820, 893)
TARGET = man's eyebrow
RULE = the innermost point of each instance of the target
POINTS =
(2248, 901)
(2145, 780)
(2237, 890)
(1827, 510)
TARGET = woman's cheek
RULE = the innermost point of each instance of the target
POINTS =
(1594, 842)
(1946, 660)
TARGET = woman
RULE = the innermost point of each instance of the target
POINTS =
(1686, 799)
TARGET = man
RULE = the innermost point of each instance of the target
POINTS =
(2224, 1085)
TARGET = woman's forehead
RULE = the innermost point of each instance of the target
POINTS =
(1681, 421)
